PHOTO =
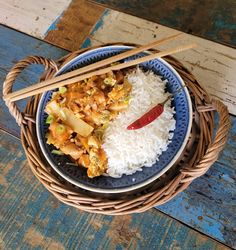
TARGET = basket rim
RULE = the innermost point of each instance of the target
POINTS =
(131, 187)
(203, 147)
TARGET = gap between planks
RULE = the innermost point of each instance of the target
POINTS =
(75, 25)
(212, 64)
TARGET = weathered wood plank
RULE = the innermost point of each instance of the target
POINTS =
(214, 20)
(13, 47)
(31, 17)
(209, 204)
(52, 20)
(74, 25)
(214, 65)
(31, 218)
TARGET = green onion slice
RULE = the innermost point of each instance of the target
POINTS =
(62, 90)
(60, 129)
(49, 119)
(57, 152)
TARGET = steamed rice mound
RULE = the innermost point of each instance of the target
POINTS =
(129, 150)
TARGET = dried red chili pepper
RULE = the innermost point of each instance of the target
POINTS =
(152, 114)
(149, 117)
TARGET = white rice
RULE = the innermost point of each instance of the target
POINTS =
(129, 150)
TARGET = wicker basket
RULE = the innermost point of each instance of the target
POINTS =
(200, 153)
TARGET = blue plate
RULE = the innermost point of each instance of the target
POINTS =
(103, 184)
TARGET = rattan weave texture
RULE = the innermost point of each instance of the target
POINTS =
(200, 153)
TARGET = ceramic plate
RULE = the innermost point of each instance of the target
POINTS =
(183, 116)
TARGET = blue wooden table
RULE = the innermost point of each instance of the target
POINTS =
(201, 217)
(214, 20)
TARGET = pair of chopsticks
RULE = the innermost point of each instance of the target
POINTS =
(95, 69)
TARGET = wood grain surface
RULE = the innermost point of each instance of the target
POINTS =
(31, 218)
(31, 17)
(214, 20)
(63, 23)
(75, 25)
(214, 65)
(12, 49)
(207, 205)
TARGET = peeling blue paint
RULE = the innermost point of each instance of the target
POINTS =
(98, 25)
(213, 20)
(86, 43)
(54, 24)
(32, 218)
(208, 205)
(15, 46)
(100, 22)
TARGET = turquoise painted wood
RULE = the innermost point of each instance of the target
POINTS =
(13, 47)
(203, 206)
(31, 218)
(209, 204)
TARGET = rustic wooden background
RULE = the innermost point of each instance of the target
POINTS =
(31, 218)
(214, 20)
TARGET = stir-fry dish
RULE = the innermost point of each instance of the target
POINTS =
(78, 115)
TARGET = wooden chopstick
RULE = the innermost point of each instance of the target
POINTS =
(93, 66)
(57, 84)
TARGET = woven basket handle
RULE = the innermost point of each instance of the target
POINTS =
(12, 75)
(215, 146)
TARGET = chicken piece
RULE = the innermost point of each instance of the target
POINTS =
(84, 141)
(100, 117)
(60, 132)
(120, 91)
(96, 100)
(52, 140)
(73, 97)
(99, 97)
(98, 162)
(94, 142)
(71, 149)
(84, 160)
(118, 106)
(74, 107)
